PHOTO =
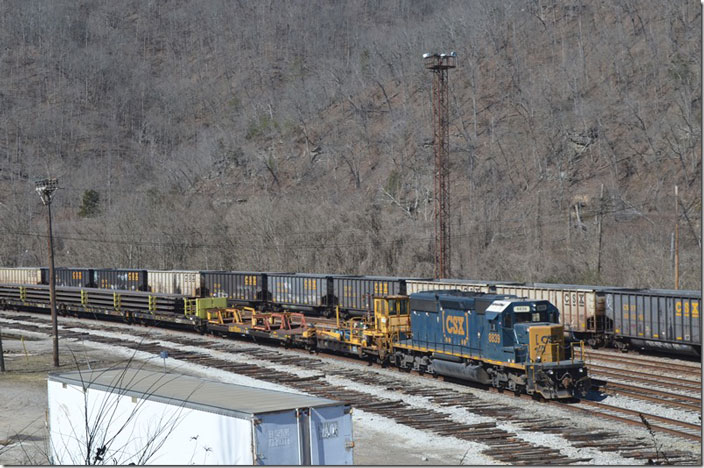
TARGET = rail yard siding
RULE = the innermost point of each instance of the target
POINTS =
(581, 309)
(655, 315)
(20, 275)
(184, 282)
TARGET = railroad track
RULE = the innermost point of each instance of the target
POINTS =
(675, 400)
(645, 378)
(505, 446)
(693, 369)
(672, 384)
(671, 426)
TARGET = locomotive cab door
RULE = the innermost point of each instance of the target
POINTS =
(492, 337)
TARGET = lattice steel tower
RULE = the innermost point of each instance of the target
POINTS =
(439, 64)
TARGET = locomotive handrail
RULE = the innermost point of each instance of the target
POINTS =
(581, 350)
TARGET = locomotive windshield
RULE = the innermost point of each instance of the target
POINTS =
(521, 317)
(526, 313)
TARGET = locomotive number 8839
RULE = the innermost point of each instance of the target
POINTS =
(505, 341)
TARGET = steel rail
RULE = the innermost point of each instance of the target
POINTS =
(604, 407)
(643, 377)
(625, 358)
(636, 392)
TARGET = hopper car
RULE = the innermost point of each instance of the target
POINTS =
(660, 319)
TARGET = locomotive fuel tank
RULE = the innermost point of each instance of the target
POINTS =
(445, 365)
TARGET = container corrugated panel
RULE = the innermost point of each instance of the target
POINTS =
(237, 286)
(20, 275)
(355, 293)
(656, 315)
(186, 282)
(309, 290)
(414, 286)
(581, 309)
(128, 280)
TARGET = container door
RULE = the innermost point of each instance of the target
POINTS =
(331, 436)
(277, 439)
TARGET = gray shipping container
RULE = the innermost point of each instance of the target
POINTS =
(121, 279)
(189, 420)
(72, 277)
(236, 286)
(663, 319)
(304, 290)
(355, 293)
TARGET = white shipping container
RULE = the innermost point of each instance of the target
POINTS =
(147, 417)
(184, 282)
(20, 276)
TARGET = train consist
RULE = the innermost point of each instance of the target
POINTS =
(503, 341)
(664, 320)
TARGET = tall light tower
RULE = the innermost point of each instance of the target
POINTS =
(46, 188)
(439, 64)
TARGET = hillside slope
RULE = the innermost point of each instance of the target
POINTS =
(297, 136)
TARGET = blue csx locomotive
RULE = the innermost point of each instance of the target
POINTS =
(504, 341)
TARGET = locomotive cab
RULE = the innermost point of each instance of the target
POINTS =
(540, 343)
(527, 332)
(537, 334)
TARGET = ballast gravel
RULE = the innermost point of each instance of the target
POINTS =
(397, 441)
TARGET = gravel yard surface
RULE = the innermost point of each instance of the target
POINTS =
(379, 440)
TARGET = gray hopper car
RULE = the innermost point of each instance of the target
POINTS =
(656, 319)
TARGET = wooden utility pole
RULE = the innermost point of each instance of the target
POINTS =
(2, 357)
(677, 239)
(46, 188)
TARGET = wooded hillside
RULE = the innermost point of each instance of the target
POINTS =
(297, 136)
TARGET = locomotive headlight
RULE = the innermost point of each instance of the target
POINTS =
(550, 372)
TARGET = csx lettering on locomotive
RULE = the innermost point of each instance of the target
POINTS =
(454, 325)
